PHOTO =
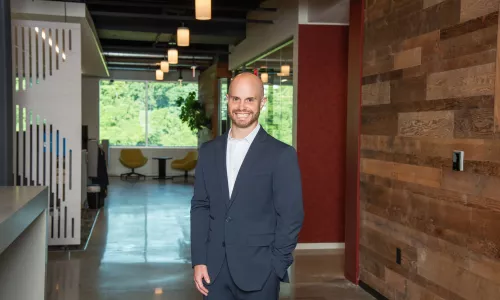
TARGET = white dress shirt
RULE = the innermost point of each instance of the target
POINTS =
(236, 151)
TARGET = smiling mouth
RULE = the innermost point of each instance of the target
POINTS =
(242, 115)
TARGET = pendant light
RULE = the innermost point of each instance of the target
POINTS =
(164, 66)
(264, 77)
(173, 56)
(194, 70)
(203, 9)
(159, 75)
(183, 36)
(285, 70)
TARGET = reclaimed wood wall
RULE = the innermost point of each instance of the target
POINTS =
(430, 78)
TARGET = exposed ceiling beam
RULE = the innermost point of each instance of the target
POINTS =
(126, 25)
(161, 50)
(173, 17)
(152, 55)
(189, 6)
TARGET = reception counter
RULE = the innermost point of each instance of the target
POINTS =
(23, 242)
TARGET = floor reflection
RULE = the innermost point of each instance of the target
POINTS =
(140, 250)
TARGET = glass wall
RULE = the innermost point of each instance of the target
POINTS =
(276, 71)
(144, 113)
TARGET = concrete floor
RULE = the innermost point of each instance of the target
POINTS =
(140, 250)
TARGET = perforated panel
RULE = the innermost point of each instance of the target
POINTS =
(47, 140)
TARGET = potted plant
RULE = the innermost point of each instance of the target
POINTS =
(193, 113)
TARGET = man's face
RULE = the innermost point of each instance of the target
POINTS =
(244, 101)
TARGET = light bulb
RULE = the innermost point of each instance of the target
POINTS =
(164, 66)
(264, 77)
(57, 49)
(64, 56)
(36, 29)
(43, 34)
(203, 9)
(183, 37)
(159, 75)
(285, 69)
(173, 56)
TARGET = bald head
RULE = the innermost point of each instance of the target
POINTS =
(248, 83)
(245, 100)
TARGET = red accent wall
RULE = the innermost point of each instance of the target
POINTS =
(354, 74)
(321, 129)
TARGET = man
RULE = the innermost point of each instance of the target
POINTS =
(246, 212)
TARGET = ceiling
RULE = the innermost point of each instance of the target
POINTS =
(135, 34)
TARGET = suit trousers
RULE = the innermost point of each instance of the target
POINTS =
(224, 288)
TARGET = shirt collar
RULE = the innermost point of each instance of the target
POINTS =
(249, 138)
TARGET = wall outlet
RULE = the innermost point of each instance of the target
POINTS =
(458, 160)
(398, 256)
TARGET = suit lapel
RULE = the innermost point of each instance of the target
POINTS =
(221, 166)
(250, 160)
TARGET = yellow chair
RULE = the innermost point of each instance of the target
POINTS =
(132, 158)
(186, 164)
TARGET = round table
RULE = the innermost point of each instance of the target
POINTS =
(162, 167)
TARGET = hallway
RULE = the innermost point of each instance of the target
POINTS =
(139, 249)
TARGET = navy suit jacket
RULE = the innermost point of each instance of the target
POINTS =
(257, 228)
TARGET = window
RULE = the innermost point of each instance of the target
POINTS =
(277, 115)
(144, 113)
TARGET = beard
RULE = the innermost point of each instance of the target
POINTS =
(252, 118)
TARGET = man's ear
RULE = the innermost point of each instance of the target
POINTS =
(263, 102)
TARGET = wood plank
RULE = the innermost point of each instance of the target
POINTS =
(377, 9)
(385, 246)
(473, 42)
(392, 75)
(470, 26)
(497, 88)
(480, 190)
(442, 15)
(417, 279)
(382, 124)
(411, 159)
(475, 149)
(471, 9)
(373, 281)
(390, 31)
(408, 58)
(442, 219)
(477, 167)
(473, 81)
(429, 3)
(372, 266)
(376, 65)
(449, 252)
(461, 103)
(376, 93)
(484, 237)
(408, 173)
(464, 282)
(408, 89)
(474, 123)
(484, 266)
(395, 280)
(434, 64)
(437, 124)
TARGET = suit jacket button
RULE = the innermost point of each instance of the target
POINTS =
(223, 244)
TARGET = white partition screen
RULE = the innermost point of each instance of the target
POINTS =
(46, 64)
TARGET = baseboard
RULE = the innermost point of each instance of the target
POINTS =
(320, 246)
(372, 291)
